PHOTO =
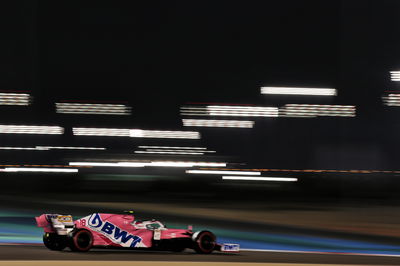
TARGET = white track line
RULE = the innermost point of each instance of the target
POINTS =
(321, 252)
(148, 263)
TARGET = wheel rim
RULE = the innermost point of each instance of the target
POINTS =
(207, 242)
(83, 240)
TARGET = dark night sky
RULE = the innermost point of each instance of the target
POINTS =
(158, 55)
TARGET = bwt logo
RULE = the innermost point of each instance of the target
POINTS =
(112, 231)
(231, 247)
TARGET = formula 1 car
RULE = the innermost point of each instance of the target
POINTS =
(123, 231)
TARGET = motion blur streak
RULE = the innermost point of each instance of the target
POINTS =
(315, 110)
(14, 99)
(119, 164)
(283, 179)
(24, 129)
(217, 123)
(180, 150)
(93, 108)
(45, 170)
(152, 163)
(220, 110)
(316, 171)
(176, 150)
(33, 165)
(135, 133)
(109, 132)
(209, 172)
(186, 164)
(392, 99)
(139, 133)
(171, 152)
(171, 147)
(190, 164)
(395, 75)
(20, 148)
(68, 148)
(46, 148)
(299, 91)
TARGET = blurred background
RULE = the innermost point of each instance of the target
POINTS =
(272, 123)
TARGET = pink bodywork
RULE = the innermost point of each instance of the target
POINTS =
(42, 221)
(108, 230)
(119, 230)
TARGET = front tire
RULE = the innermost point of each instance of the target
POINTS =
(53, 241)
(204, 242)
(80, 240)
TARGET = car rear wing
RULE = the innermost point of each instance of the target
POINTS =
(55, 223)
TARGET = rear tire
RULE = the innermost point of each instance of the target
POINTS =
(204, 242)
(80, 240)
(53, 241)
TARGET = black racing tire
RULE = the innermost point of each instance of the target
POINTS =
(53, 241)
(80, 240)
(204, 242)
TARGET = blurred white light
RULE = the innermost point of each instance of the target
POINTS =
(46, 170)
(119, 164)
(215, 172)
(176, 150)
(19, 148)
(299, 91)
(132, 164)
(68, 148)
(173, 150)
(392, 99)
(315, 110)
(172, 147)
(46, 148)
(109, 132)
(395, 75)
(14, 99)
(93, 108)
(151, 163)
(140, 133)
(24, 129)
(172, 164)
(185, 164)
(135, 133)
(280, 179)
(170, 152)
(217, 123)
(243, 111)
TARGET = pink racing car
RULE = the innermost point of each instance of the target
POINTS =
(122, 231)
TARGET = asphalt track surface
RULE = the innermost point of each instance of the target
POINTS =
(32, 253)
